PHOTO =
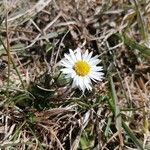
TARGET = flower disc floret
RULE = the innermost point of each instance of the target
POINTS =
(82, 68)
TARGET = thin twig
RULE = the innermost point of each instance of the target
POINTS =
(8, 52)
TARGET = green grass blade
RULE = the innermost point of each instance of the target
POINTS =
(117, 110)
(106, 133)
(134, 45)
(140, 20)
(132, 136)
(32, 132)
(15, 67)
(119, 122)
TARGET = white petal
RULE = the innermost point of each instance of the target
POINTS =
(73, 74)
(78, 54)
(76, 82)
(72, 55)
(98, 73)
(87, 83)
(66, 63)
(95, 57)
(94, 62)
(85, 55)
(96, 68)
(78, 49)
(89, 56)
(96, 76)
(68, 73)
(69, 59)
(81, 83)
(89, 87)
(66, 70)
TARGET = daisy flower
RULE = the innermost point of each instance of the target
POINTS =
(82, 68)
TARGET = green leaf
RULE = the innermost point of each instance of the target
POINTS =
(134, 45)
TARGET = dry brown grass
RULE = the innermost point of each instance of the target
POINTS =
(39, 110)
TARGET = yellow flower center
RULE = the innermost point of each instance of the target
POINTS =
(82, 68)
